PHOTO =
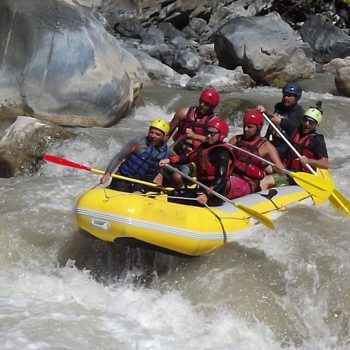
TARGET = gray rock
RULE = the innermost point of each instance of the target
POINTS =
(187, 62)
(152, 36)
(159, 71)
(59, 63)
(24, 143)
(342, 80)
(273, 61)
(327, 41)
(221, 79)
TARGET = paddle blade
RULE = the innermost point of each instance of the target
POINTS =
(340, 202)
(317, 186)
(65, 162)
(257, 216)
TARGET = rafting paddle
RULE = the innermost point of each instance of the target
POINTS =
(253, 213)
(313, 184)
(68, 163)
(337, 199)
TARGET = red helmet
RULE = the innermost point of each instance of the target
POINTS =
(220, 125)
(210, 96)
(253, 117)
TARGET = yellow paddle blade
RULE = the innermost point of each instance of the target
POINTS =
(337, 199)
(254, 214)
(316, 185)
(340, 202)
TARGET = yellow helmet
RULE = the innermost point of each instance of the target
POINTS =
(161, 124)
(315, 114)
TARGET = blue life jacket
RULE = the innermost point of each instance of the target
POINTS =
(143, 162)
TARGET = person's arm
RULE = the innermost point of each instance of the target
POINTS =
(182, 159)
(178, 117)
(220, 158)
(191, 135)
(322, 163)
(233, 140)
(269, 152)
(118, 158)
(318, 146)
(263, 109)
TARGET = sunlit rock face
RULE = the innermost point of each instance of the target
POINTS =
(58, 63)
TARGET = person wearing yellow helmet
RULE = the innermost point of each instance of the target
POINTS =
(310, 145)
(139, 159)
(161, 125)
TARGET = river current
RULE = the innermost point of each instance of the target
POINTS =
(61, 289)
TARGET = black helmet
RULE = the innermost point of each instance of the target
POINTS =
(293, 89)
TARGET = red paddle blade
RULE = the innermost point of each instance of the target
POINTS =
(65, 162)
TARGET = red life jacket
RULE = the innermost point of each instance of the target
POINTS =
(246, 165)
(301, 144)
(205, 169)
(199, 127)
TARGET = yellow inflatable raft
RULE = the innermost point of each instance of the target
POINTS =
(152, 221)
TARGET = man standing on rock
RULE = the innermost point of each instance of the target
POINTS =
(287, 116)
(192, 122)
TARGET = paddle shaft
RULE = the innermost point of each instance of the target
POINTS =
(180, 139)
(317, 186)
(287, 142)
(217, 194)
(68, 163)
(257, 216)
(260, 158)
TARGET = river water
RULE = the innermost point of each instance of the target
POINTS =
(61, 289)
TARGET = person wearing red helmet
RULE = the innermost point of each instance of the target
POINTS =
(190, 123)
(214, 161)
(287, 116)
(248, 171)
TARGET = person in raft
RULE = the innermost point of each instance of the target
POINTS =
(190, 123)
(287, 116)
(139, 159)
(309, 144)
(214, 162)
(248, 171)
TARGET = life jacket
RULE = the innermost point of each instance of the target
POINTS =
(143, 161)
(205, 170)
(199, 127)
(246, 165)
(301, 144)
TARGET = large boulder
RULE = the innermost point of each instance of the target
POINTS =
(326, 40)
(58, 63)
(266, 47)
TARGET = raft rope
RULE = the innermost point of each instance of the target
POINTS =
(221, 224)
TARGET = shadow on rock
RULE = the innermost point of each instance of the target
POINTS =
(6, 169)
